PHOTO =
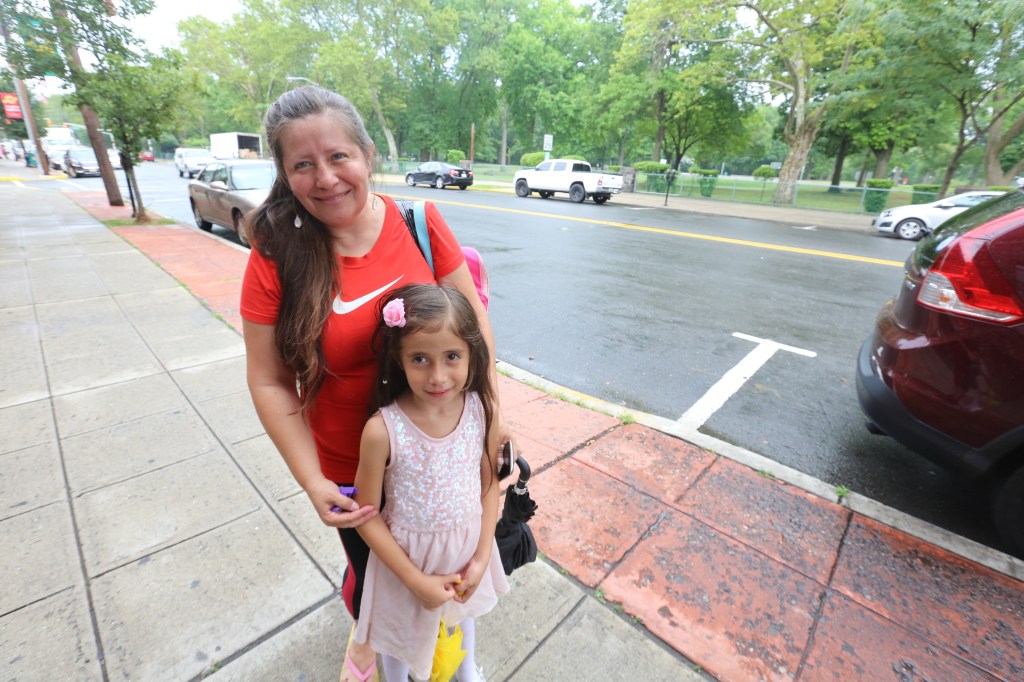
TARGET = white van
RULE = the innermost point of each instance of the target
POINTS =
(191, 160)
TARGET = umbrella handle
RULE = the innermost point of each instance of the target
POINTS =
(524, 471)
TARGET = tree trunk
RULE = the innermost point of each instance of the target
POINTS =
(799, 149)
(622, 151)
(882, 157)
(837, 170)
(503, 150)
(995, 145)
(129, 174)
(660, 138)
(947, 177)
(388, 135)
(89, 117)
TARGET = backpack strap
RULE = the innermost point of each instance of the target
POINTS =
(415, 217)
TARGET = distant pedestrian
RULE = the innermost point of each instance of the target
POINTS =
(325, 250)
(429, 454)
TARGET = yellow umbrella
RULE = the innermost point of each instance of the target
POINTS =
(447, 655)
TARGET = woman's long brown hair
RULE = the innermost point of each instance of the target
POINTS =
(305, 260)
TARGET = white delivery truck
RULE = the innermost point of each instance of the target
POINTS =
(236, 146)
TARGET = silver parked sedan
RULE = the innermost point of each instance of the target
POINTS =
(227, 190)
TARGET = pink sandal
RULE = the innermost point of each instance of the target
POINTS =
(370, 675)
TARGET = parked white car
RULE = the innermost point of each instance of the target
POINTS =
(567, 175)
(917, 220)
(191, 161)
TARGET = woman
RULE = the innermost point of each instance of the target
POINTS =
(326, 250)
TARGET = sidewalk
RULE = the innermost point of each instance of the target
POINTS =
(149, 530)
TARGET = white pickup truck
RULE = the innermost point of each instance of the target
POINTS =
(567, 175)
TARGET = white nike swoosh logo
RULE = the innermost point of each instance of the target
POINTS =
(344, 307)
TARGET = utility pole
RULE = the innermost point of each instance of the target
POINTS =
(26, 110)
(89, 117)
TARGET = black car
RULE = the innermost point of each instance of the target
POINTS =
(439, 174)
(79, 161)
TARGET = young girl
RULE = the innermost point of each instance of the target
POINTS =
(430, 454)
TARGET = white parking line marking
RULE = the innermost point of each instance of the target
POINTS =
(731, 381)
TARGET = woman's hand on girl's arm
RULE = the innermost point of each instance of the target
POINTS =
(335, 509)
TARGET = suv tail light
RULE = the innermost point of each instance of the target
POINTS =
(966, 281)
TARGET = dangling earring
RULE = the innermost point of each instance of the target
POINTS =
(297, 222)
(373, 204)
(384, 381)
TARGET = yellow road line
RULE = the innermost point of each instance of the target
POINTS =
(675, 233)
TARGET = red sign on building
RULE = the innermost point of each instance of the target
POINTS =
(11, 107)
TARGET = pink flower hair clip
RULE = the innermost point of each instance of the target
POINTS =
(394, 313)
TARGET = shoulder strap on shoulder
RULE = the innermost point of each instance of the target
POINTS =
(415, 217)
(419, 214)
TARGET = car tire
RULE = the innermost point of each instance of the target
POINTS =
(1008, 510)
(191, 175)
(181, 173)
(239, 225)
(462, 186)
(911, 228)
(203, 225)
(409, 180)
(577, 194)
(439, 182)
(522, 188)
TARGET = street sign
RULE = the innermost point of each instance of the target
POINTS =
(548, 142)
(11, 107)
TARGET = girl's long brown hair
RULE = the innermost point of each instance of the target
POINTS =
(306, 265)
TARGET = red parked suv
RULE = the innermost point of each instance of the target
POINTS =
(943, 372)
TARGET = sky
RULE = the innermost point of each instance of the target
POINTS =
(159, 28)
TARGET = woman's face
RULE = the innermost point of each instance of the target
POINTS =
(326, 169)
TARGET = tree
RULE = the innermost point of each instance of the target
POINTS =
(968, 56)
(137, 102)
(797, 50)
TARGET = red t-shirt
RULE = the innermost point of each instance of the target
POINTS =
(339, 413)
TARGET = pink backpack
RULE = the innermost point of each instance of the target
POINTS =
(416, 220)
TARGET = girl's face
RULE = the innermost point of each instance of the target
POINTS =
(326, 170)
(436, 365)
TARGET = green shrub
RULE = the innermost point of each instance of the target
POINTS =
(765, 173)
(924, 194)
(1000, 188)
(614, 169)
(531, 159)
(706, 181)
(456, 156)
(877, 195)
(650, 167)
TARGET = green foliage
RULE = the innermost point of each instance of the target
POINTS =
(650, 167)
(877, 194)
(706, 181)
(924, 194)
(1001, 188)
(455, 156)
(765, 173)
(531, 159)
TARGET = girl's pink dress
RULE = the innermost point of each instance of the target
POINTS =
(432, 506)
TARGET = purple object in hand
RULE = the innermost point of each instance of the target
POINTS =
(347, 491)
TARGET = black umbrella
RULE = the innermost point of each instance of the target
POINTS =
(515, 539)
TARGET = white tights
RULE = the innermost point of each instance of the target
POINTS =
(398, 671)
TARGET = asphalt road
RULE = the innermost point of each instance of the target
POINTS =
(668, 313)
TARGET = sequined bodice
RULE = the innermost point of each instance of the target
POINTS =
(432, 484)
